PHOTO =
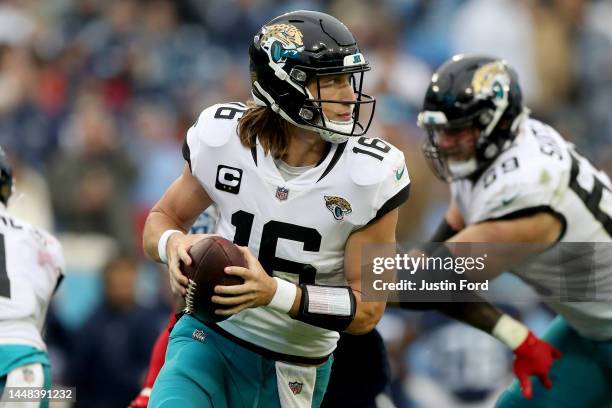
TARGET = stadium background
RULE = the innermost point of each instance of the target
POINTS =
(96, 96)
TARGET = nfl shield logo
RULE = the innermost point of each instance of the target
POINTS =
(28, 374)
(282, 193)
(295, 387)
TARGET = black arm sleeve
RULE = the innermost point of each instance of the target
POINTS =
(481, 315)
(471, 308)
(316, 306)
(443, 232)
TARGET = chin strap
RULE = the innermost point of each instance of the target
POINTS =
(463, 168)
(258, 100)
(520, 119)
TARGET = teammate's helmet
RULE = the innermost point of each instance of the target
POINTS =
(475, 91)
(292, 50)
(6, 178)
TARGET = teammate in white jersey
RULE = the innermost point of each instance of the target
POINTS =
(31, 265)
(298, 186)
(516, 180)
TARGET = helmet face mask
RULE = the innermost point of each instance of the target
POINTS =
(314, 114)
(298, 50)
(471, 92)
(456, 159)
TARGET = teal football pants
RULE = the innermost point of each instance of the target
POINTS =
(205, 369)
(14, 356)
(581, 378)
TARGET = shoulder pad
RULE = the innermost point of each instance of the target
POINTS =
(217, 123)
(379, 170)
(46, 247)
(372, 160)
(520, 178)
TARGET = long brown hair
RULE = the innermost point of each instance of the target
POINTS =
(271, 129)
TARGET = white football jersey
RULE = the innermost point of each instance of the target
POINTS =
(297, 228)
(31, 265)
(543, 172)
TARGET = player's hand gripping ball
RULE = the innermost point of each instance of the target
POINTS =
(210, 257)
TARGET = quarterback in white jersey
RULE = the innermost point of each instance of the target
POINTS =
(31, 265)
(301, 189)
(299, 226)
(516, 180)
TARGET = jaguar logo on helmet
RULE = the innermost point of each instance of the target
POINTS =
(282, 41)
(491, 79)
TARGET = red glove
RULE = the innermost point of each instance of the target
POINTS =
(142, 400)
(533, 357)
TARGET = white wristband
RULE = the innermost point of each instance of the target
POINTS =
(163, 243)
(510, 332)
(284, 296)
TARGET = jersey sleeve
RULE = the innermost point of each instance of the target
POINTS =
(58, 260)
(394, 186)
(379, 175)
(208, 138)
(193, 145)
(50, 257)
(38, 259)
(517, 187)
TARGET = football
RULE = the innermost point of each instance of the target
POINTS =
(210, 257)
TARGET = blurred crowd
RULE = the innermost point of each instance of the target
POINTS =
(97, 96)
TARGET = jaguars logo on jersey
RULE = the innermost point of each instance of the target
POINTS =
(338, 206)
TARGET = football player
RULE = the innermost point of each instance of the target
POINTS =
(31, 265)
(297, 184)
(343, 388)
(515, 180)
